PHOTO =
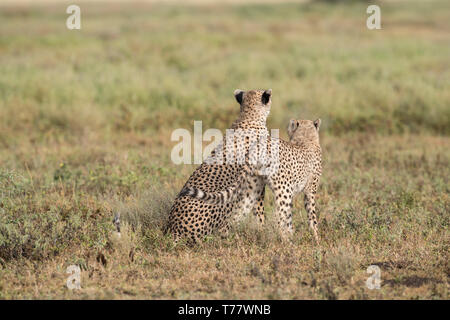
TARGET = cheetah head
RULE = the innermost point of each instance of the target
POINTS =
(304, 130)
(254, 103)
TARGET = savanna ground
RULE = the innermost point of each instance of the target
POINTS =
(85, 124)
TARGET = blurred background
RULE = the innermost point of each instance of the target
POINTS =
(86, 117)
(155, 65)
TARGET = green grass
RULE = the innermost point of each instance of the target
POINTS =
(85, 124)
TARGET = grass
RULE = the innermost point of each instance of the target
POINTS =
(85, 124)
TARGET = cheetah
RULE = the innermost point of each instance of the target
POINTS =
(299, 170)
(192, 218)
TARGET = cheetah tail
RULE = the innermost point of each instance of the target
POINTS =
(218, 197)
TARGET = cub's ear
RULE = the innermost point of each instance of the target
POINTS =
(266, 96)
(317, 123)
(239, 94)
(293, 125)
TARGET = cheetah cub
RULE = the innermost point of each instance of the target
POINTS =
(298, 170)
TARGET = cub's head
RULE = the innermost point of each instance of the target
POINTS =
(301, 131)
(255, 104)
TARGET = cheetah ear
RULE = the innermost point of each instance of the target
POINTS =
(266, 96)
(317, 123)
(293, 125)
(239, 94)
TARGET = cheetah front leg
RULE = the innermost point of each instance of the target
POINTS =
(258, 209)
(310, 206)
(283, 211)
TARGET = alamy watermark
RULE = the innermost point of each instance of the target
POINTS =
(374, 20)
(73, 22)
(374, 281)
(239, 146)
(74, 280)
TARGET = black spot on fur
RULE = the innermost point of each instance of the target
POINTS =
(239, 95)
(265, 98)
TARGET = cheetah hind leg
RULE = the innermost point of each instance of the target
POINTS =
(250, 199)
(224, 230)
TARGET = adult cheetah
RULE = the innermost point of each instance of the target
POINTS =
(299, 170)
(193, 218)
